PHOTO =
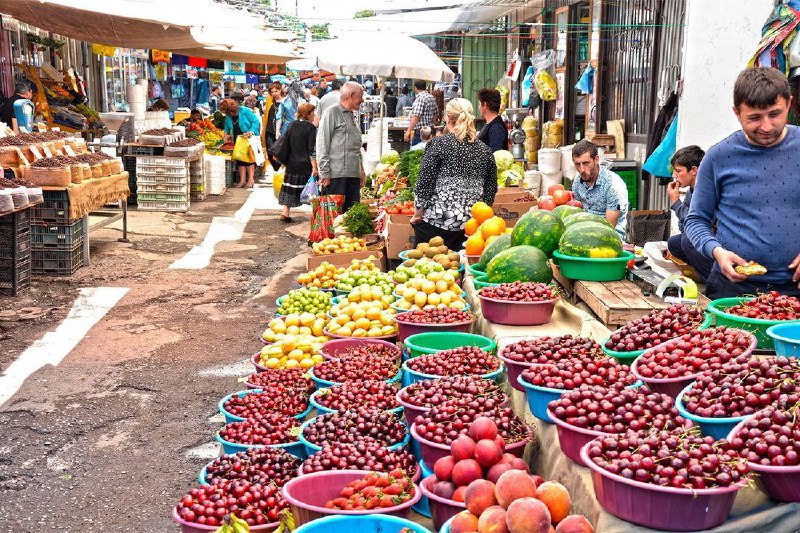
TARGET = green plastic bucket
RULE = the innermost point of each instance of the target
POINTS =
(592, 269)
(475, 271)
(436, 341)
(480, 282)
(755, 325)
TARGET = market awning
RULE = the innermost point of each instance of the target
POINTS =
(201, 27)
(379, 55)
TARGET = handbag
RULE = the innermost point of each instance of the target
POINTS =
(258, 152)
(280, 150)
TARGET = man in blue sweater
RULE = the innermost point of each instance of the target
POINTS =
(749, 184)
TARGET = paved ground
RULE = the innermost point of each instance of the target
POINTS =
(112, 437)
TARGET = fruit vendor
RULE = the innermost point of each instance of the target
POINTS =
(685, 164)
(601, 191)
(748, 184)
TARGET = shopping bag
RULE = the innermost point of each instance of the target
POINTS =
(659, 162)
(324, 209)
(258, 152)
(310, 191)
(242, 151)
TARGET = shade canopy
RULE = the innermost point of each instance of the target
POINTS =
(382, 55)
(201, 28)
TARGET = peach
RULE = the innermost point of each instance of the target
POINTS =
(537, 480)
(443, 468)
(520, 464)
(466, 471)
(556, 497)
(513, 485)
(464, 522)
(493, 520)
(444, 489)
(575, 523)
(528, 515)
(508, 458)
(459, 494)
(496, 471)
(462, 448)
(481, 428)
(487, 453)
(479, 496)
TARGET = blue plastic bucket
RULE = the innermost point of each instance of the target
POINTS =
(538, 398)
(415, 377)
(295, 448)
(372, 523)
(786, 338)
(719, 428)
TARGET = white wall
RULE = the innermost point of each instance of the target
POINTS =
(721, 37)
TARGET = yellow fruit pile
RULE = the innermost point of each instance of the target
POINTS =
(339, 245)
(363, 265)
(295, 324)
(324, 276)
(366, 312)
(436, 290)
(292, 352)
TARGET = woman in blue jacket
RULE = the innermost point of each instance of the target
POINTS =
(240, 120)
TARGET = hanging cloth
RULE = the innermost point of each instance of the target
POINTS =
(777, 34)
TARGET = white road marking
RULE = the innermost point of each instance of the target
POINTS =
(91, 305)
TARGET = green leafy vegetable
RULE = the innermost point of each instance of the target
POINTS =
(358, 221)
(409, 165)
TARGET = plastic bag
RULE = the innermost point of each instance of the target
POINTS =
(324, 210)
(258, 151)
(659, 162)
(545, 85)
(586, 84)
(527, 83)
(310, 191)
(242, 151)
(543, 60)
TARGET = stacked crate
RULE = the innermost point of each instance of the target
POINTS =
(197, 180)
(15, 252)
(162, 183)
(56, 240)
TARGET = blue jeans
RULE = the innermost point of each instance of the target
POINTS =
(718, 286)
(416, 139)
(681, 247)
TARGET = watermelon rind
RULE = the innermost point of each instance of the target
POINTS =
(586, 217)
(590, 239)
(538, 228)
(565, 211)
(503, 242)
(519, 263)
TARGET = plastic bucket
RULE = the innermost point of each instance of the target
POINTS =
(517, 313)
(436, 341)
(593, 269)
(407, 329)
(387, 338)
(476, 271)
(786, 338)
(308, 494)
(375, 523)
(233, 418)
(538, 399)
(665, 508)
(442, 509)
(323, 384)
(295, 448)
(432, 451)
(482, 281)
(336, 348)
(255, 361)
(191, 527)
(757, 326)
(781, 483)
(412, 411)
(514, 369)
(321, 409)
(412, 377)
(719, 428)
(423, 505)
(549, 160)
(310, 448)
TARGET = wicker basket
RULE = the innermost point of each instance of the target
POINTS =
(97, 170)
(108, 167)
(77, 173)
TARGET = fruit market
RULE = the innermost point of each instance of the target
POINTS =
(497, 272)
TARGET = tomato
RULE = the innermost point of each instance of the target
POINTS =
(553, 188)
(561, 196)
(547, 203)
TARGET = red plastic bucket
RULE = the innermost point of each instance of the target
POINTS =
(442, 509)
(514, 369)
(517, 313)
(411, 411)
(665, 508)
(308, 494)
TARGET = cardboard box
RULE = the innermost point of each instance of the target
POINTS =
(511, 212)
(344, 259)
(399, 235)
(509, 194)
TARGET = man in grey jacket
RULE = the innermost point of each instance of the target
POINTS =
(339, 147)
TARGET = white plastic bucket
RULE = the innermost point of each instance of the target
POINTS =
(551, 178)
(549, 160)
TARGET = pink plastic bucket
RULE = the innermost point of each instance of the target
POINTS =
(432, 451)
(388, 338)
(191, 527)
(665, 508)
(333, 349)
(255, 360)
(308, 494)
(406, 329)
(517, 313)
(514, 369)
(411, 411)
(442, 509)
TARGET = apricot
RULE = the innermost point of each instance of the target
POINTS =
(575, 523)
(479, 496)
(513, 485)
(462, 448)
(528, 515)
(464, 522)
(496, 471)
(556, 497)
(493, 520)
(443, 468)
(458, 495)
(481, 428)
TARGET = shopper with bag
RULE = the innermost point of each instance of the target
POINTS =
(339, 147)
(242, 124)
(300, 146)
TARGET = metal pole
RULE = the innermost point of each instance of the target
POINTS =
(380, 134)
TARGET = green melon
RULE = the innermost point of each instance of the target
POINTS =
(565, 211)
(590, 239)
(538, 228)
(519, 263)
(503, 242)
(586, 217)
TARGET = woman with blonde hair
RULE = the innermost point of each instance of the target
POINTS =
(456, 171)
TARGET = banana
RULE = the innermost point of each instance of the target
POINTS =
(239, 525)
(287, 524)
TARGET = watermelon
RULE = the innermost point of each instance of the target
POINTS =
(590, 239)
(586, 217)
(565, 211)
(538, 228)
(519, 263)
(503, 242)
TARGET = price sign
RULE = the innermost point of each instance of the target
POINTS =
(69, 151)
(37, 155)
(47, 152)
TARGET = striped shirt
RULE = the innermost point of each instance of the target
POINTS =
(425, 108)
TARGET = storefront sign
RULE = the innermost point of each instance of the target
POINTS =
(103, 50)
(191, 73)
(238, 78)
(139, 53)
(234, 68)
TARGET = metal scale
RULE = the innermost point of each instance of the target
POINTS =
(517, 134)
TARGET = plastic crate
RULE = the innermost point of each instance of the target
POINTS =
(230, 172)
(144, 150)
(15, 236)
(15, 276)
(129, 166)
(50, 237)
(172, 162)
(144, 205)
(629, 172)
(163, 197)
(158, 179)
(54, 210)
(56, 262)
(146, 189)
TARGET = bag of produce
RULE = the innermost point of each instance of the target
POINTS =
(242, 151)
